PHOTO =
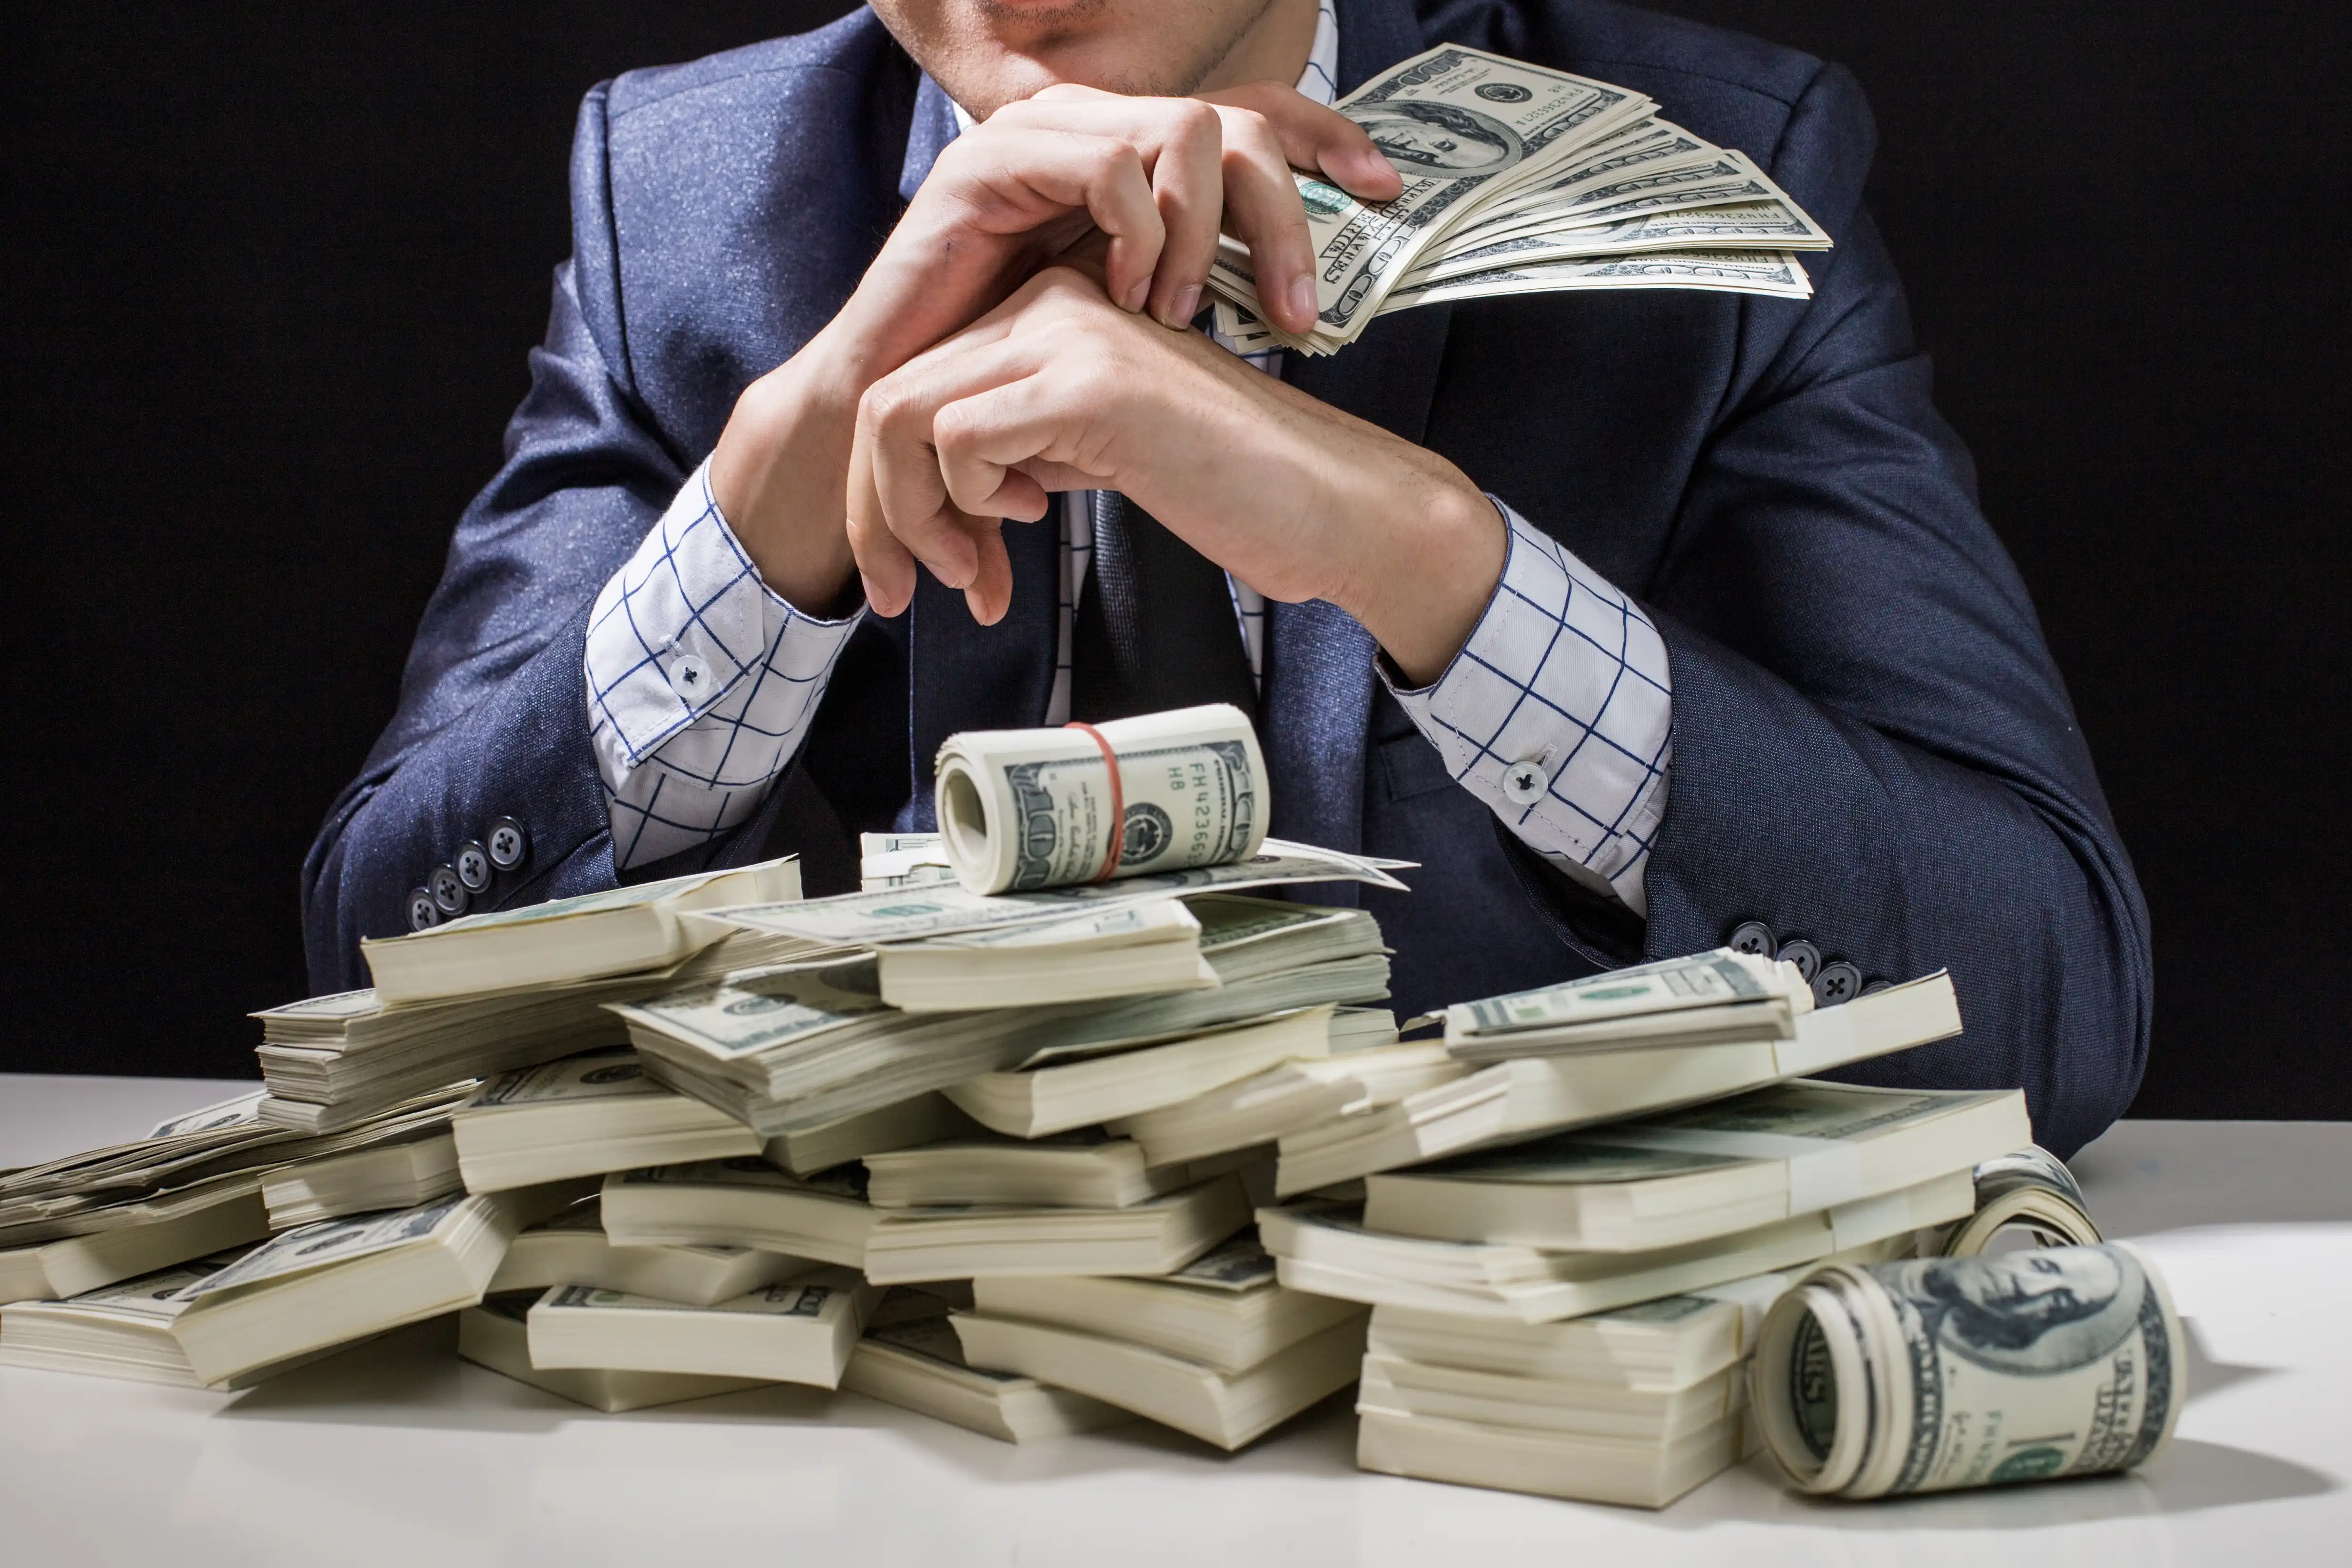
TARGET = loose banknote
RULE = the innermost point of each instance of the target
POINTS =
(1024, 809)
(1881, 1380)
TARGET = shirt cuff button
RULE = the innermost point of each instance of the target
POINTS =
(1524, 783)
(689, 677)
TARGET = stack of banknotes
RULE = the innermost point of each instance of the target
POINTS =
(1070, 1118)
(1519, 180)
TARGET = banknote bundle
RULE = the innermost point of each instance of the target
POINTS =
(1219, 1349)
(1965, 1372)
(1519, 180)
(800, 1330)
(195, 1186)
(1521, 1097)
(573, 1249)
(916, 1362)
(1023, 809)
(1634, 1406)
(585, 1115)
(1622, 1172)
(786, 1050)
(322, 1286)
(2028, 1191)
(508, 990)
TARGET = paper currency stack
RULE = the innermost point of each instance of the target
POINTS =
(1519, 180)
(1068, 1118)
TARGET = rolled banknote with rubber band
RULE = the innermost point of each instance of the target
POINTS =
(1026, 808)
(1892, 1379)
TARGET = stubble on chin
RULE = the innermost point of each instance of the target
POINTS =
(983, 74)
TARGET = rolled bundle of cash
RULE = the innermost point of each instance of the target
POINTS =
(2031, 1191)
(1519, 180)
(1965, 1372)
(1026, 808)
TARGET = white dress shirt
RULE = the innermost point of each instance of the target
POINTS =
(1558, 713)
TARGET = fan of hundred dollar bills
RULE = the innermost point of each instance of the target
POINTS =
(1519, 180)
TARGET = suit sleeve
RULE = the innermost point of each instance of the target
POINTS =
(1872, 747)
(492, 716)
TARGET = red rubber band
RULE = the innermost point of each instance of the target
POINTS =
(1117, 802)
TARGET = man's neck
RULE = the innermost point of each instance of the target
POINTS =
(1274, 48)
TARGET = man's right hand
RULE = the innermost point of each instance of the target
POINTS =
(1157, 176)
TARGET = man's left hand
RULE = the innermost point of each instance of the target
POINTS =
(1058, 389)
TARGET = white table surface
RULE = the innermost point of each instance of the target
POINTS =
(398, 1452)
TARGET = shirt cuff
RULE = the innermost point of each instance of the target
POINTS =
(701, 681)
(1559, 713)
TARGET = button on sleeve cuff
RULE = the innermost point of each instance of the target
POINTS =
(1558, 713)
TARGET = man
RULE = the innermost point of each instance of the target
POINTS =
(1645, 622)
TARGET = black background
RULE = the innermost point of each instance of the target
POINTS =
(271, 271)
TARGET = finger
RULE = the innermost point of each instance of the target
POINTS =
(982, 442)
(883, 566)
(1021, 175)
(1269, 218)
(994, 445)
(1317, 138)
(1188, 182)
(991, 593)
(900, 461)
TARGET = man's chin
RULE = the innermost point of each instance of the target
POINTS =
(990, 53)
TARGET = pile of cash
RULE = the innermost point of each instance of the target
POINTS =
(1130, 1136)
(1519, 180)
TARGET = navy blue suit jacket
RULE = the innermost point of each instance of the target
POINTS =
(1873, 749)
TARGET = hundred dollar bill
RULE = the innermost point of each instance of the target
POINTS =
(1718, 178)
(907, 915)
(901, 859)
(2030, 1190)
(1025, 809)
(1460, 125)
(1878, 1381)
(1745, 224)
(1771, 272)
(1706, 993)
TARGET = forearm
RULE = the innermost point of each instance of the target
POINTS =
(521, 752)
(701, 682)
(1904, 857)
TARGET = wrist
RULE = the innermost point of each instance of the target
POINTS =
(779, 472)
(1433, 560)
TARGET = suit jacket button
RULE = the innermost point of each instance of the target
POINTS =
(1839, 981)
(510, 846)
(473, 863)
(449, 893)
(1874, 987)
(1804, 955)
(1751, 937)
(422, 912)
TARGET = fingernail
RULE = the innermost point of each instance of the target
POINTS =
(1188, 301)
(1137, 293)
(1302, 305)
